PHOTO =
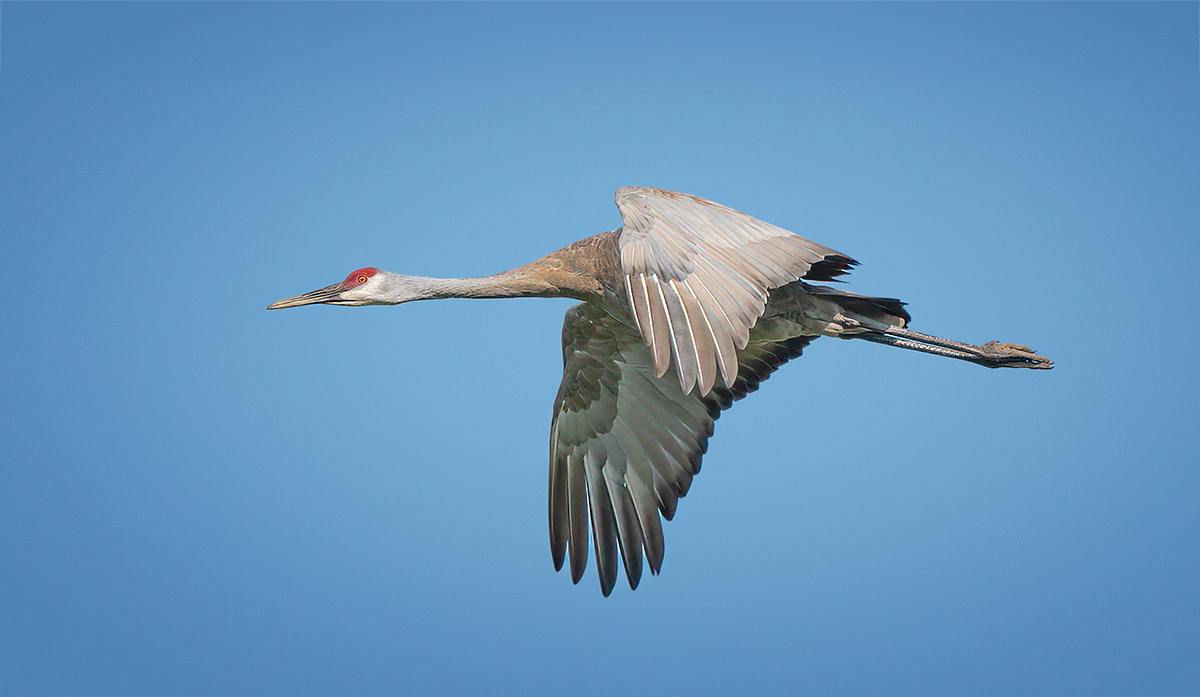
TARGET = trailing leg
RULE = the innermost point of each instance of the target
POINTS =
(992, 354)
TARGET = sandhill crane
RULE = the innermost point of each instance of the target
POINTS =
(685, 282)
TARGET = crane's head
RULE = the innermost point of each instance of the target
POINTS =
(362, 287)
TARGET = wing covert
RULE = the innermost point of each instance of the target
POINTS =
(697, 276)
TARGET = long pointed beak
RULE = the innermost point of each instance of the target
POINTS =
(324, 295)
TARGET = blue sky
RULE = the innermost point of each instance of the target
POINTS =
(201, 497)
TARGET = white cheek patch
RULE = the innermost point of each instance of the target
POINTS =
(360, 295)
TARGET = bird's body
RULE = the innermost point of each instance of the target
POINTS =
(723, 298)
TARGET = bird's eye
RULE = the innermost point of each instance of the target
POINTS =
(361, 280)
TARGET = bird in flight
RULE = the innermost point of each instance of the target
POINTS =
(686, 308)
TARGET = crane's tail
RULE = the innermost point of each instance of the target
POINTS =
(870, 312)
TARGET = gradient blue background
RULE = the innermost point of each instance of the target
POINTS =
(201, 497)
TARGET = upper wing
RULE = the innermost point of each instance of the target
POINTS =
(697, 276)
(624, 444)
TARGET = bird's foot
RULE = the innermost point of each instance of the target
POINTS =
(994, 354)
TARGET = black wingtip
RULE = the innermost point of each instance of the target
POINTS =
(830, 267)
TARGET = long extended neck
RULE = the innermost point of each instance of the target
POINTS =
(523, 282)
(585, 270)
